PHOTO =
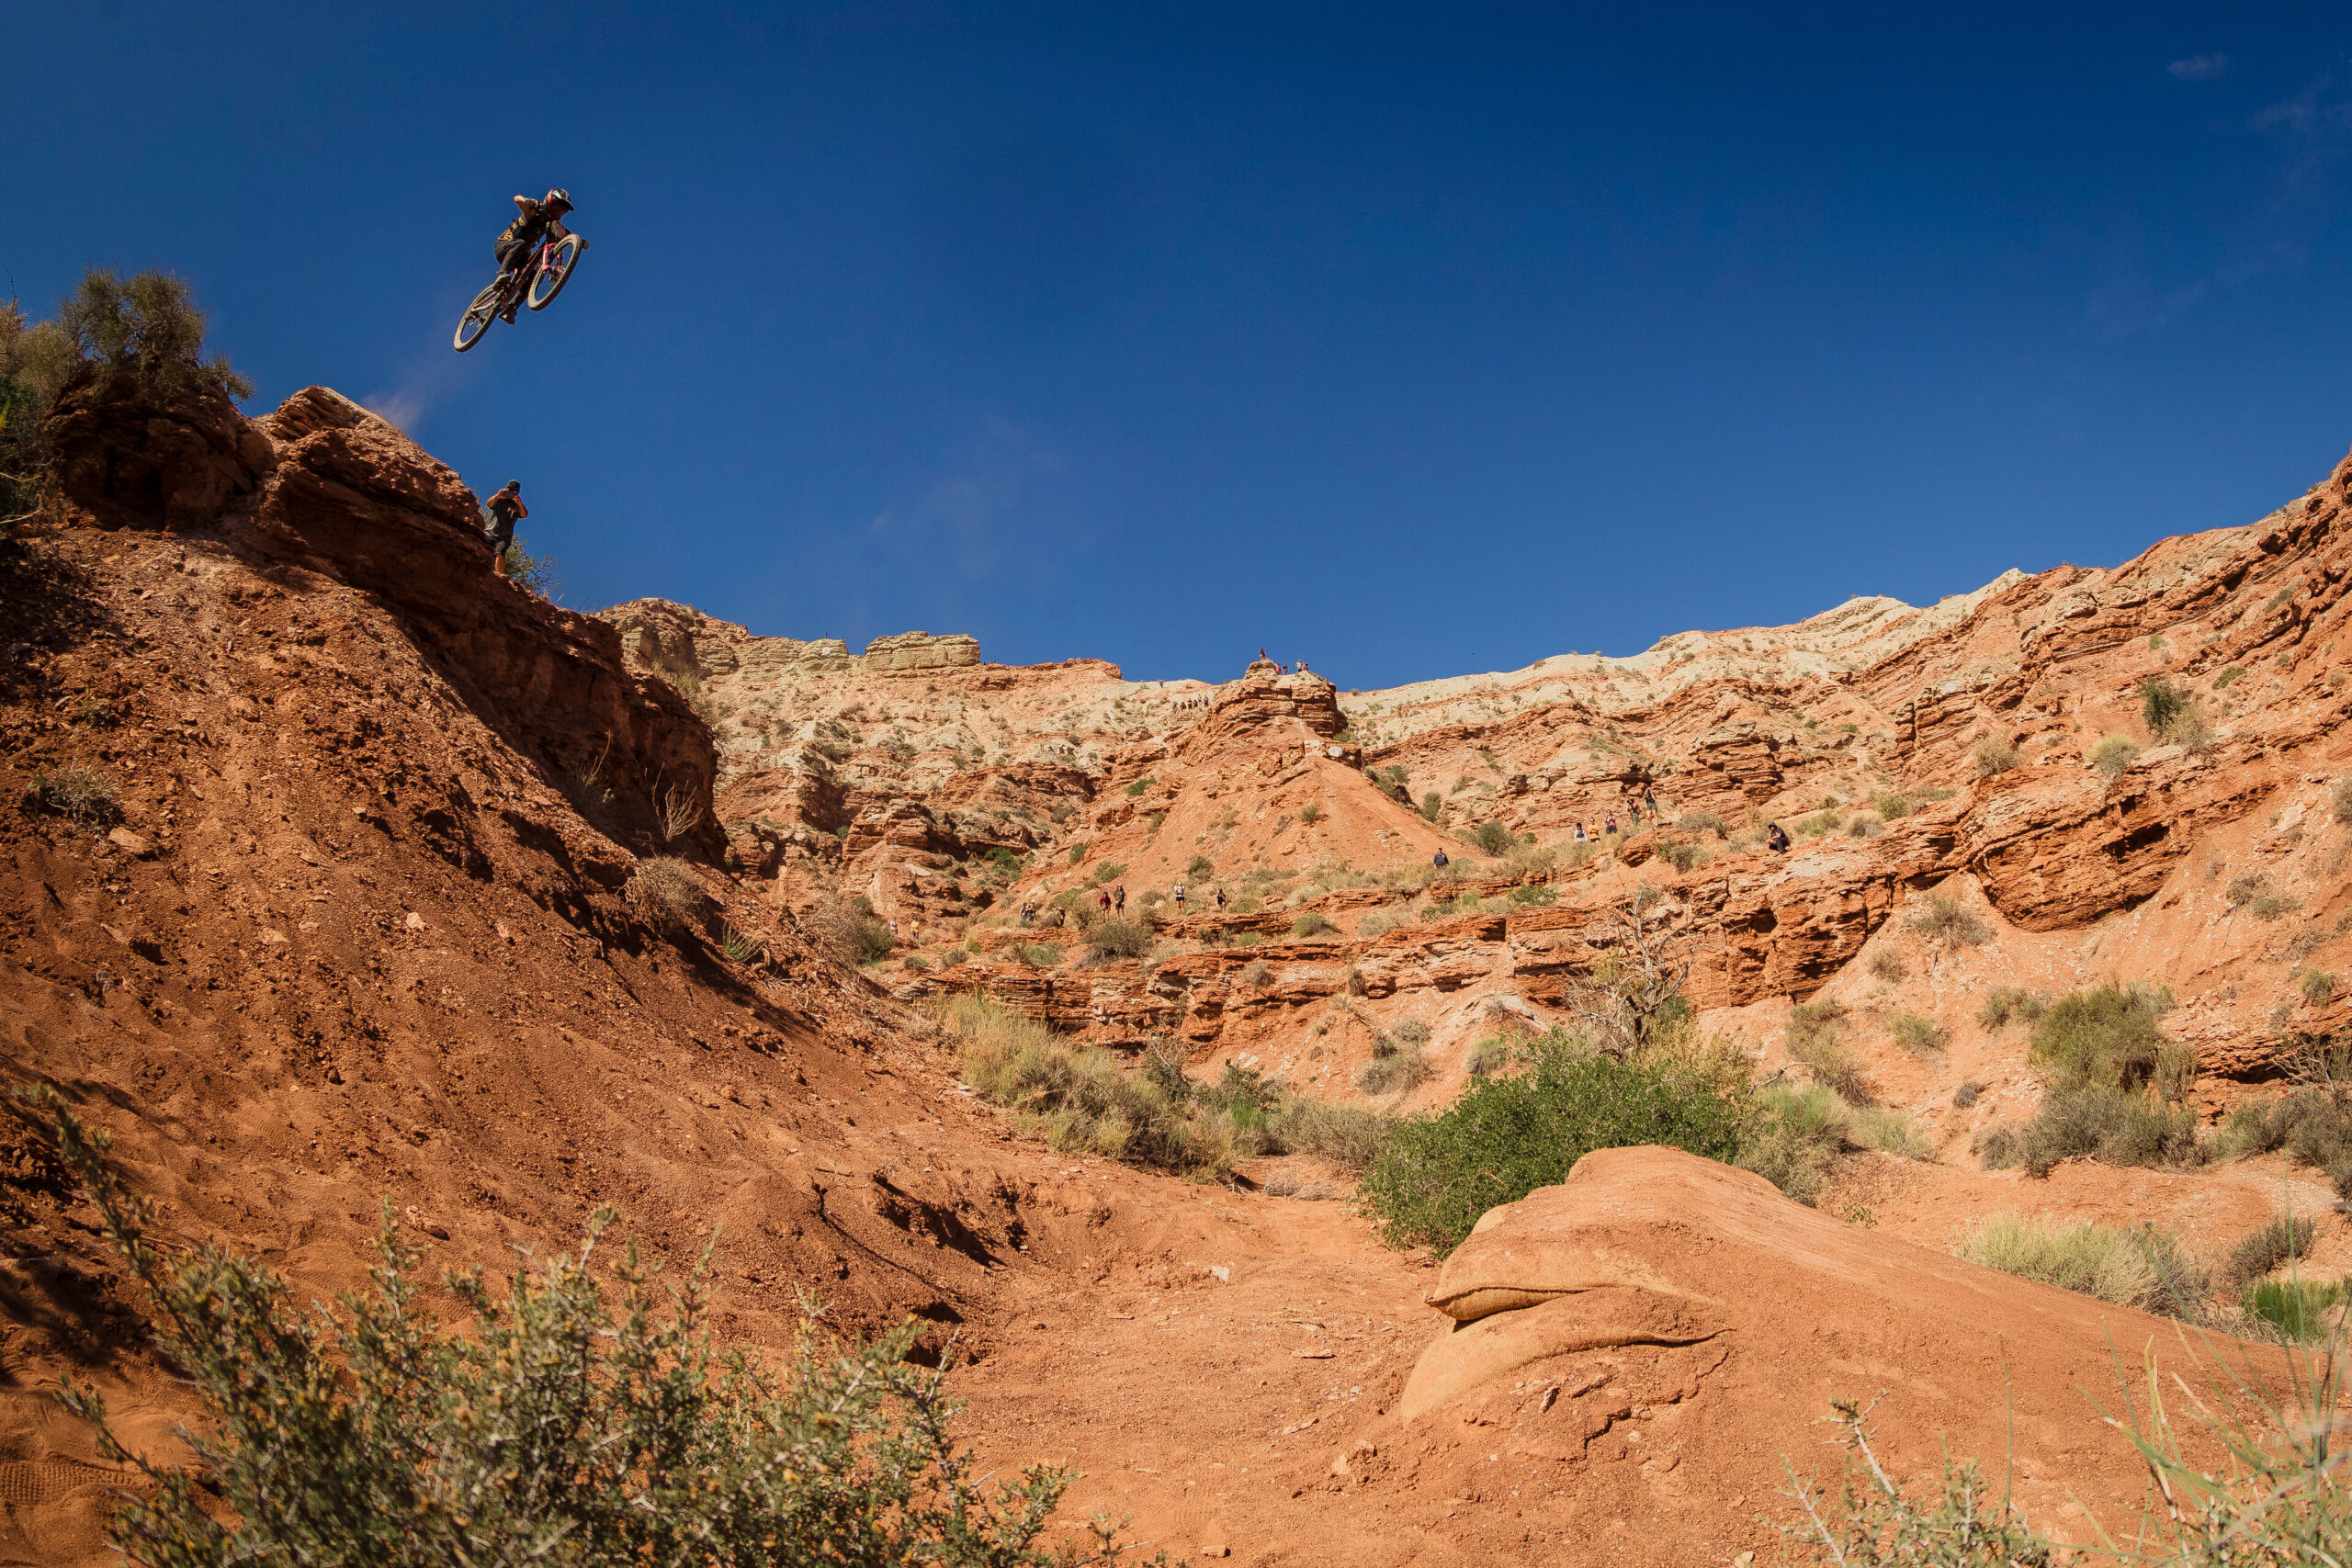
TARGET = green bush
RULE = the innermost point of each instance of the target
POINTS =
(850, 931)
(2303, 1311)
(1312, 924)
(1795, 1136)
(1891, 805)
(1200, 866)
(2004, 1004)
(2221, 681)
(79, 794)
(1310, 814)
(2279, 1241)
(1393, 1070)
(1493, 839)
(535, 573)
(1888, 965)
(2114, 1126)
(2340, 801)
(1919, 1036)
(1141, 784)
(2317, 986)
(1533, 893)
(1507, 1136)
(584, 1416)
(1491, 1054)
(665, 893)
(1044, 954)
(1077, 1099)
(2162, 704)
(1701, 822)
(2108, 1037)
(1681, 856)
(1433, 806)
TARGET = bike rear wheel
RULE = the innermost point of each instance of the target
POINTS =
(477, 319)
(549, 280)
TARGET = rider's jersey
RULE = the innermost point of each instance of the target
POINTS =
(530, 225)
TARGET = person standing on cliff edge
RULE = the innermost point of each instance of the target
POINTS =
(504, 508)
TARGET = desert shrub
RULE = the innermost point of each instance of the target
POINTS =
(2112, 1125)
(1077, 1099)
(1919, 1036)
(2317, 986)
(2108, 1037)
(1874, 1523)
(1141, 784)
(1118, 939)
(849, 931)
(1794, 1137)
(1493, 839)
(665, 893)
(1410, 1032)
(2302, 1311)
(1534, 894)
(145, 328)
(1393, 1070)
(1820, 822)
(2340, 801)
(1967, 1094)
(1992, 755)
(1891, 1132)
(1200, 866)
(1887, 965)
(2253, 891)
(2114, 754)
(582, 1415)
(1311, 813)
(2142, 1267)
(1105, 871)
(2004, 1004)
(536, 573)
(1701, 822)
(2221, 681)
(1376, 925)
(953, 958)
(1865, 827)
(1433, 806)
(1258, 976)
(1508, 1136)
(915, 963)
(1312, 924)
(1488, 1055)
(1890, 804)
(1814, 1040)
(739, 945)
(1044, 954)
(1942, 918)
(1348, 1136)
(2162, 704)
(1681, 856)
(2281, 1241)
(79, 794)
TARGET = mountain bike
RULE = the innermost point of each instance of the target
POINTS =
(536, 284)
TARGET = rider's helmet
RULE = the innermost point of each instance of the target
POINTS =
(559, 198)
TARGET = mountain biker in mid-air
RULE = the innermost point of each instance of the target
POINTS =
(537, 221)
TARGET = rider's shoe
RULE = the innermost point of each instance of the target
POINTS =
(507, 315)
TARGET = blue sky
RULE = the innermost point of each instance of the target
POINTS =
(1409, 340)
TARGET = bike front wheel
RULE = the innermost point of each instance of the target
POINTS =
(555, 271)
(477, 319)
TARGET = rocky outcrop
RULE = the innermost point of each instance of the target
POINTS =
(333, 489)
(920, 650)
(130, 456)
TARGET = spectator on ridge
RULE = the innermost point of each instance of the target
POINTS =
(1610, 829)
(1437, 859)
(1179, 891)
(1220, 899)
(504, 508)
(1776, 841)
(1119, 899)
(1580, 837)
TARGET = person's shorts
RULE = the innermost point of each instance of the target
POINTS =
(501, 536)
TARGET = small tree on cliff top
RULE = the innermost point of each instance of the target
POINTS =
(146, 327)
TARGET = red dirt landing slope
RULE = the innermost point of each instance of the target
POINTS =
(1648, 1340)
